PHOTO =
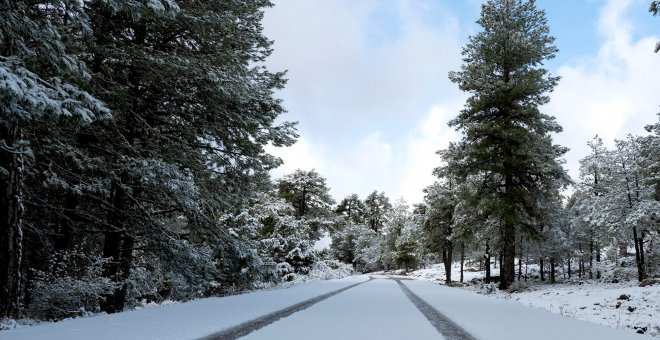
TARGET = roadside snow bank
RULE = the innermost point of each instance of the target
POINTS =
(490, 319)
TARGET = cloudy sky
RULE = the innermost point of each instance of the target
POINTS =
(368, 83)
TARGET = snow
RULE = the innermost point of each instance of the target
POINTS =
(597, 302)
(374, 310)
(379, 309)
(493, 319)
(180, 321)
(323, 243)
(588, 300)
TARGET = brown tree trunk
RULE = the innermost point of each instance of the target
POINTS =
(11, 218)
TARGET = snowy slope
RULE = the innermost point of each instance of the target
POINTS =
(589, 300)
(179, 321)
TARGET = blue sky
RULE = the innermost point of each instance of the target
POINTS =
(368, 82)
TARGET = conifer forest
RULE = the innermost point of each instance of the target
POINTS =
(135, 166)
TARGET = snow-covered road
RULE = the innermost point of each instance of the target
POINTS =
(374, 310)
(353, 308)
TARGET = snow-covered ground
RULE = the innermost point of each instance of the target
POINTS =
(597, 301)
(189, 320)
(379, 308)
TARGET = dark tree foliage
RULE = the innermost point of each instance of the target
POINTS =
(377, 205)
(307, 192)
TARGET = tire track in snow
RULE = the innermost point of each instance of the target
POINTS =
(250, 326)
(443, 324)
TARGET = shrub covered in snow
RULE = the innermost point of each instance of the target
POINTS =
(71, 286)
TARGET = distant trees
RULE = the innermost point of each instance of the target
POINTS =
(376, 207)
(306, 191)
(617, 195)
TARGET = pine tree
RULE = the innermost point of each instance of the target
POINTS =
(377, 207)
(39, 80)
(307, 192)
(352, 208)
(194, 108)
(506, 139)
(441, 202)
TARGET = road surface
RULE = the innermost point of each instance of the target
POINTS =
(353, 308)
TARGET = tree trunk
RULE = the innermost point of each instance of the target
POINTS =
(569, 267)
(639, 255)
(520, 259)
(552, 270)
(541, 269)
(487, 262)
(11, 218)
(507, 269)
(112, 250)
(65, 230)
(462, 258)
(591, 258)
(447, 251)
(580, 262)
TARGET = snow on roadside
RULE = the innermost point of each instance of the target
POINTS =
(188, 320)
(588, 300)
(490, 319)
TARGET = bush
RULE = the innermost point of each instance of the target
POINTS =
(71, 286)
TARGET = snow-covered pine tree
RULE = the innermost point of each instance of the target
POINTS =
(506, 139)
(441, 202)
(307, 192)
(352, 208)
(194, 108)
(377, 207)
(38, 80)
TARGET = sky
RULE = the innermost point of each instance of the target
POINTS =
(368, 85)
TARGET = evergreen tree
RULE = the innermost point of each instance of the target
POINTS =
(194, 108)
(506, 139)
(352, 208)
(377, 207)
(441, 202)
(307, 192)
(39, 80)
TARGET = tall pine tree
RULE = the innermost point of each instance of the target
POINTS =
(506, 139)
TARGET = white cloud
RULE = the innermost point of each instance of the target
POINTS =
(301, 155)
(612, 93)
(432, 135)
(362, 74)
